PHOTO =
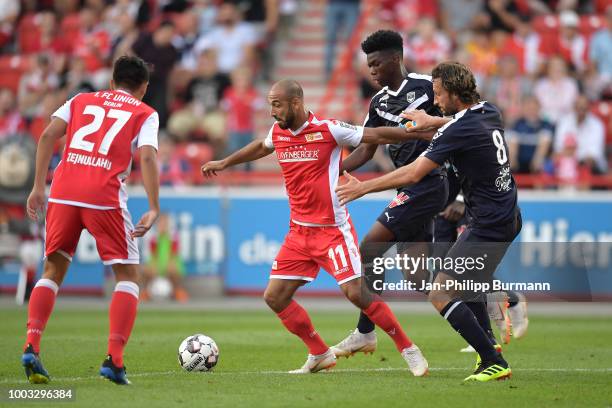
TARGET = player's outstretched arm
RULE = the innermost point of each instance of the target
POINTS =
(386, 135)
(404, 176)
(423, 121)
(359, 157)
(150, 179)
(44, 151)
(251, 152)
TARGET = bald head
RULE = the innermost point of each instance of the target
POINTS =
(288, 89)
(286, 99)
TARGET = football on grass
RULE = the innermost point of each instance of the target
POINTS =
(198, 353)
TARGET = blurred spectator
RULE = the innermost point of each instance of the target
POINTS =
(8, 16)
(171, 168)
(557, 91)
(479, 54)
(157, 50)
(165, 260)
(588, 132)
(508, 89)
(77, 80)
(529, 139)
(457, 15)
(233, 40)
(524, 44)
(340, 14)
(200, 116)
(263, 16)
(569, 44)
(207, 15)
(427, 47)
(11, 121)
(50, 40)
(503, 14)
(125, 33)
(35, 84)
(188, 29)
(92, 45)
(240, 103)
(405, 14)
(601, 48)
(566, 164)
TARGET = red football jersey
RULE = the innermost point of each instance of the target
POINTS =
(310, 161)
(104, 130)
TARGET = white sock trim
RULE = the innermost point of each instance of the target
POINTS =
(48, 283)
(450, 310)
(128, 287)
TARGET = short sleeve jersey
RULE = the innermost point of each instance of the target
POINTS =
(310, 162)
(473, 142)
(104, 129)
(415, 92)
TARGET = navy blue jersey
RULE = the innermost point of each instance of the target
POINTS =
(454, 184)
(473, 142)
(415, 92)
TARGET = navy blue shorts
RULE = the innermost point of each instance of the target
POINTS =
(488, 243)
(410, 215)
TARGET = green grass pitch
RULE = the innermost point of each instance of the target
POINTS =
(563, 361)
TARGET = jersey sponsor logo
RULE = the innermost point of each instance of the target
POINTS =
(344, 124)
(298, 156)
(311, 137)
(411, 97)
(400, 199)
(284, 139)
(89, 160)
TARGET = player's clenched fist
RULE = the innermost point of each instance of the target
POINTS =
(212, 167)
(36, 203)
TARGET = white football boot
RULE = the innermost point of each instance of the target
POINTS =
(467, 349)
(416, 361)
(356, 342)
(518, 317)
(315, 363)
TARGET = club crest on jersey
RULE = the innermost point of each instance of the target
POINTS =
(311, 137)
(400, 199)
(410, 97)
(344, 124)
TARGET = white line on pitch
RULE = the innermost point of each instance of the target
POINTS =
(340, 370)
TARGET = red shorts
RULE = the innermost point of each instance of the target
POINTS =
(110, 228)
(307, 249)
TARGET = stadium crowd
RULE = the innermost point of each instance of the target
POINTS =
(546, 63)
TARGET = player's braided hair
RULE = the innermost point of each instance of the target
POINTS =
(383, 40)
(458, 80)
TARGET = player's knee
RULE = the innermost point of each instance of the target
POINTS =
(273, 299)
(126, 272)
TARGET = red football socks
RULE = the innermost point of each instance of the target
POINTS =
(40, 307)
(384, 318)
(122, 315)
(297, 321)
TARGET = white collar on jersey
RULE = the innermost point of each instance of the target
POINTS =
(394, 93)
(311, 116)
(123, 91)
